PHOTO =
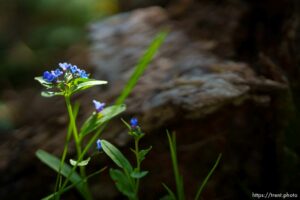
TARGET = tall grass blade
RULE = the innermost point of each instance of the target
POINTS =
(142, 65)
(207, 177)
(178, 177)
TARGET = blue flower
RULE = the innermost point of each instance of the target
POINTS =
(98, 105)
(99, 145)
(83, 74)
(49, 77)
(74, 69)
(57, 73)
(134, 122)
(65, 66)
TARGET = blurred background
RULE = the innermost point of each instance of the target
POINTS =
(255, 122)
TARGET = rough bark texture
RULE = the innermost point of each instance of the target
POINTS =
(194, 87)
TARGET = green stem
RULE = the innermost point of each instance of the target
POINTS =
(85, 150)
(73, 124)
(138, 163)
(90, 143)
(65, 151)
(77, 143)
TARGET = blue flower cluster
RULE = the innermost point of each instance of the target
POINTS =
(53, 76)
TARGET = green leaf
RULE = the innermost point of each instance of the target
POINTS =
(142, 65)
(51, 94)
(143, 153)
(43, 82)
(93, 122)
(80, 80)
(138, 175)
(122, 182)
(207, 177)
(87, 84)
(171, 195)
(54, 163)
(82, 163)
(116, 156)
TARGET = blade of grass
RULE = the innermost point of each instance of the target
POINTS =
(142, 65)
(207, 177)
(178, 177)
(171, 193)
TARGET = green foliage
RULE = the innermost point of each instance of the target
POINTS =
(54, 163)
(138, 174)
(43, 82)
(85, 84)
(52, 196)
(96, 120)
(122, 182)
(127, 179)
(178, 178)
(143, 153)
(68, 86)
(116, 156)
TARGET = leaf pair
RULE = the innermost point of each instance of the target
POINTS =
(71, 88)
(122, 179)
(125, 180)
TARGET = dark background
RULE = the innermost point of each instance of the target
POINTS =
(261, 146)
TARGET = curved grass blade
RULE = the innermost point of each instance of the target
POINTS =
(207, 177)
(142, 65)
(171, 195)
